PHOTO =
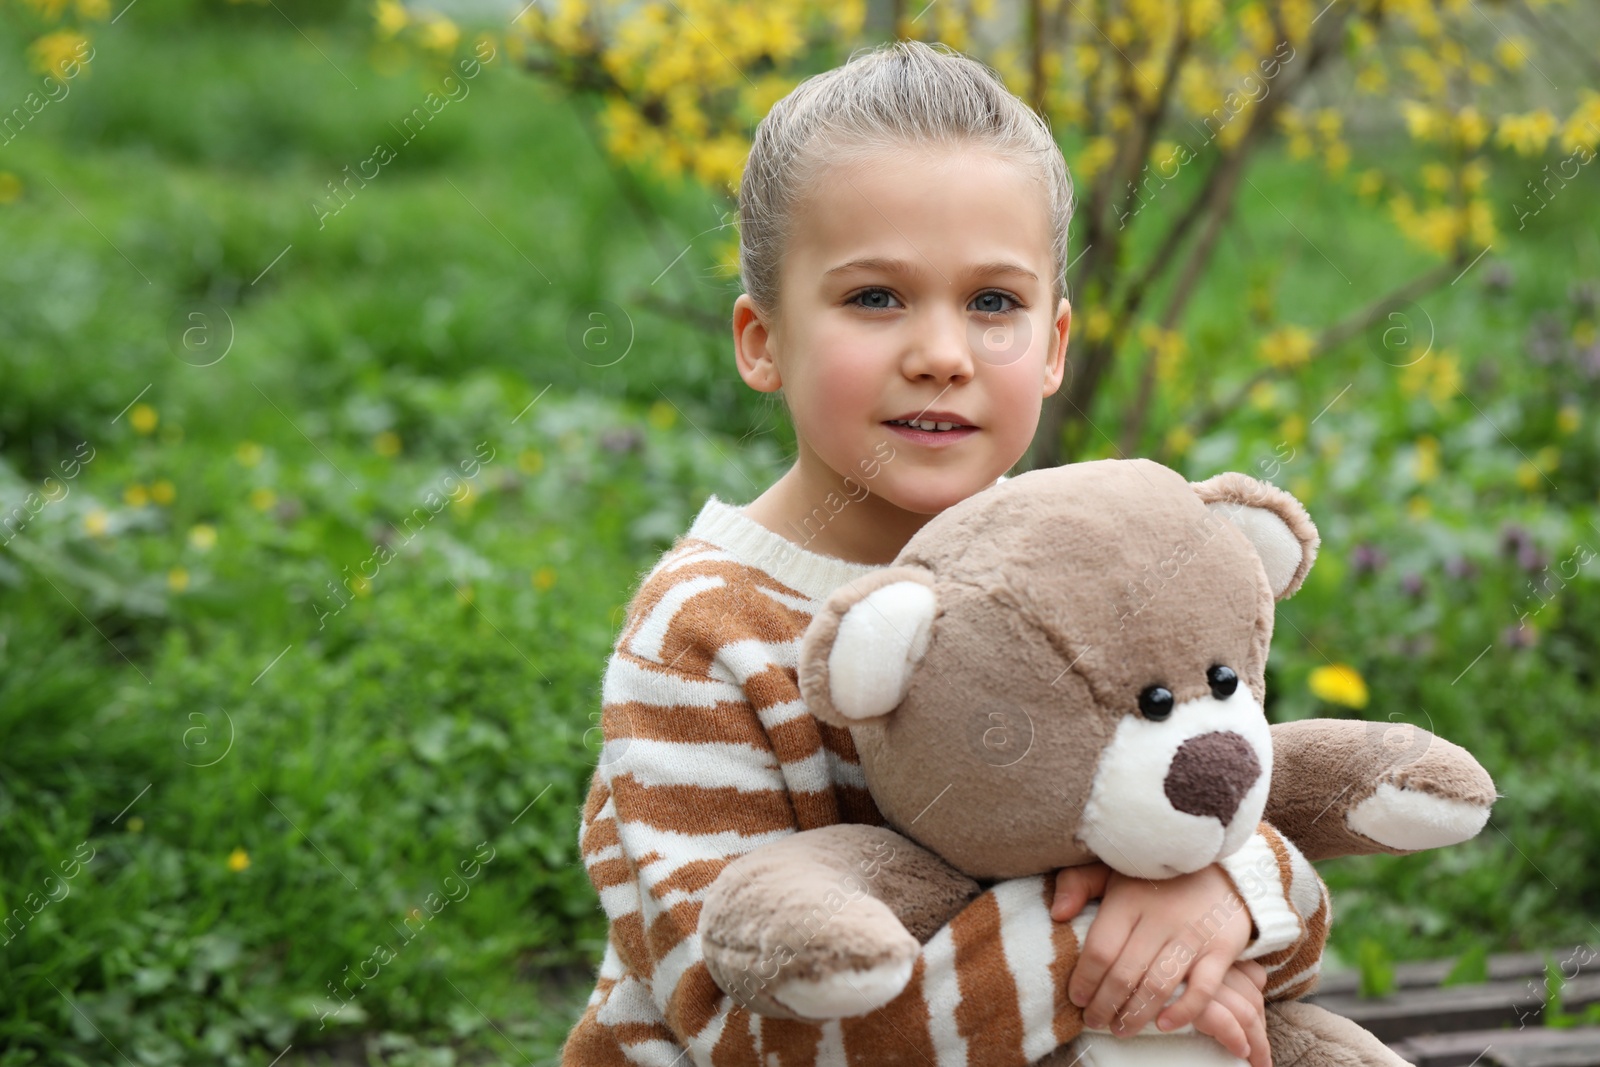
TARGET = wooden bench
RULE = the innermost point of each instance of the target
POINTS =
(1499, 1021)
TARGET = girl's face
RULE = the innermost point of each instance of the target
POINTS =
(916, 286)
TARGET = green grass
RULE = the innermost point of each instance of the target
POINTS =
(167, 699)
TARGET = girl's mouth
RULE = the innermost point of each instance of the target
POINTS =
(930, 432)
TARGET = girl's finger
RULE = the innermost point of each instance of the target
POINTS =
(1123, 980)
(1075, 887)
(1100, 950)
(1220, 1023)
(1205, 978)
(1166, 970)
(1252, 1021)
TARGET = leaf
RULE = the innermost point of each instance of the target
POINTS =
(1471, 967)
(1377, 969)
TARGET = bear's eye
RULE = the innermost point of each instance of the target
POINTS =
(1223, 681)
(1155, 703)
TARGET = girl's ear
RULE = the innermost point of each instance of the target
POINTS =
(859, 653)
(1271, 520)
(752, 347)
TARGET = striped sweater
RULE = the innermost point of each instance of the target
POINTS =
(709, 752)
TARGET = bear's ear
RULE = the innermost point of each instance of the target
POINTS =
(861, 649)
(1271, 520)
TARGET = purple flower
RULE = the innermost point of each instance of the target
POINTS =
(621, 439)
(1530, 559)
(1366, 558)
(1518, 637)
(1412, 586)
(1513, 539)
(1460, 569)
(1498, 277)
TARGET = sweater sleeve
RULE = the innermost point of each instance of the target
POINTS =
(1290, 907)
(689, 780)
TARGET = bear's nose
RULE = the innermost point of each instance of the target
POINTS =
(1211, 773)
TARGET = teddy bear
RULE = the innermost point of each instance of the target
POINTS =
(1070, 666)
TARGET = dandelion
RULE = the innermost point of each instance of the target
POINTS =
(262, 498)
(177, 579)
(1568, 418)
(1427, 458)
(143, 417)
(163, 492)
(1178, 440)
(662, 415)
(135, 496)
(135, 825)
(1341, 684)
(543, 578)
(10, 187)
(386, 444)
(238, 860)
(248, 453)
(203, 536)
(96, 522)
(530, 461)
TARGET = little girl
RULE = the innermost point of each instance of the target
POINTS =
(903, 229)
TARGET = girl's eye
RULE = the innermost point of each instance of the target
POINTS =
(873, 298)
(989, 302)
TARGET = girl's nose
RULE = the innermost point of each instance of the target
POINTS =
(941, 348)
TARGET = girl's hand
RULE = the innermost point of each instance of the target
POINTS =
(1148, 937)
(1237, 1016)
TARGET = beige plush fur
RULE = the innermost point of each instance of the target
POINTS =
(997, 680)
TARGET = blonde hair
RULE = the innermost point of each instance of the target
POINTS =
(903, 93)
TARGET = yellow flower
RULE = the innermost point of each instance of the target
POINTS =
(441, 35)
(1340, 684)
(1294, 429)
(54, 52)
(1263, 396)
(465, 594)
(135, 824)
(1370, 183)
(96, 522)
(1427, 458)
(177, 579)
(1567, 418)
(143, 417)
(1528, 476)
(1099, 323)
(469, 496)
(1418, 508)
(662, 415)
(94, 9)
(387, 443)
(1512, 52)
(1289, 346)
(1178, 440)
(238, 860)
(1526, 134)
(391, 16)
(360, 586)
(135, 496)
(1302, 490)
(530, 461)
(163, 492)
(203, 536)
(543, 578)
(248, 453)
(10, 187)
(262, 498)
